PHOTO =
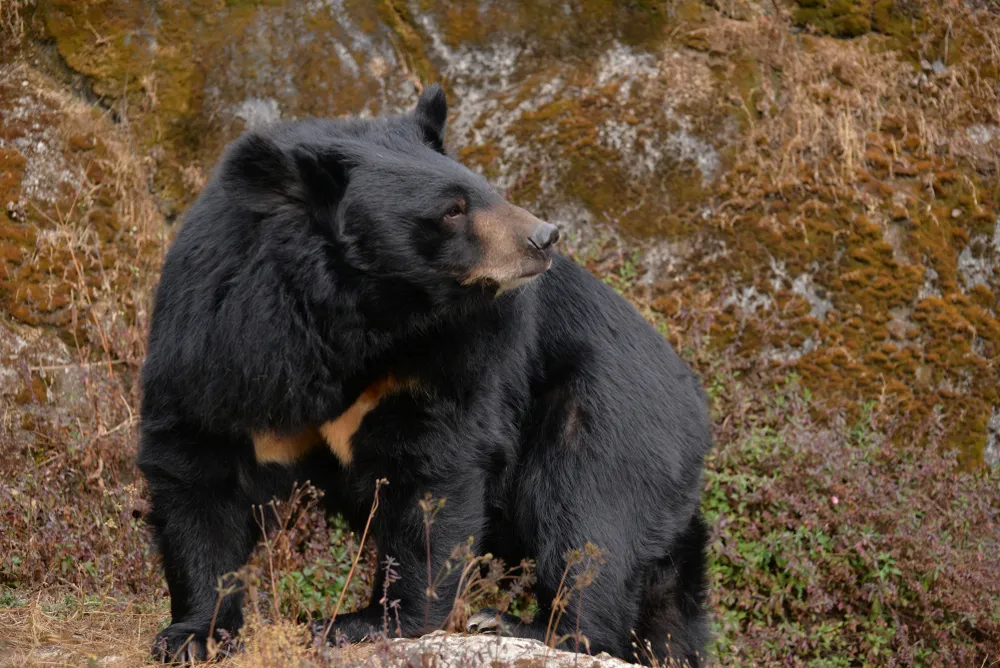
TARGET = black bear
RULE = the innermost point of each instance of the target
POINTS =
(345, 281)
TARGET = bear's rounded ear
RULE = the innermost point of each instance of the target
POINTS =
(257, 174)
(261, 176)
(431, 114)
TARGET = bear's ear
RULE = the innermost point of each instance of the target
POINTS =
(261, 176)
(323, 174)
(257, 174)
(431, 114)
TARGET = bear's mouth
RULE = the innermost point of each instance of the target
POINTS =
(538, 266)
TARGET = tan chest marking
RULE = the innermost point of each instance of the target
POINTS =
(285, 449)
(272, 448)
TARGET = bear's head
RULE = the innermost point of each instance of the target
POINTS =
(383, 198)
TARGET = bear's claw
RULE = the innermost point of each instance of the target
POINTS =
(186, 645)
(488, 621)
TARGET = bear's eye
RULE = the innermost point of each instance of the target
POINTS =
(457, 209)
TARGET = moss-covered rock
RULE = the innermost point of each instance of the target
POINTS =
(189, 76)
(78, 231)
(829, 205)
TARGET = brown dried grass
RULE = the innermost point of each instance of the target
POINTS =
(810, 123)
(34, 635)
(12, 27)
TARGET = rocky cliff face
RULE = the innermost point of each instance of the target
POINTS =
(816, 181)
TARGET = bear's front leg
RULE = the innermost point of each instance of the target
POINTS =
(202, 519)
(422, 585)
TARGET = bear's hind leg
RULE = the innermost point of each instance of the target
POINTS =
(673, 624)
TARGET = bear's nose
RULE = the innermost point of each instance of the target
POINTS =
(543, 236)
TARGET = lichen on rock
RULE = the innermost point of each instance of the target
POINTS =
(827, 198)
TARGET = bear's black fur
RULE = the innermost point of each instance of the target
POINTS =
(325, 255)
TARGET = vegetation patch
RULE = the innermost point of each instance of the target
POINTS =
(834, 545)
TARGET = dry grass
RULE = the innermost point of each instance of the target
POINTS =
(69, 514)
(36, 635)
(64, 626)
(12, 27)
(809, 125)
(817, 128)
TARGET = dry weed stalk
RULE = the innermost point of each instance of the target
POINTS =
(12, 21)
(364, 535)
(479, 576)
(585, 565)
(484, 579)
(430, 507)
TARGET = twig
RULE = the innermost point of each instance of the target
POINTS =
(215, 615)
(357, 557)
(270, 561)
(128, 422)
(76, 365)
(556, 601)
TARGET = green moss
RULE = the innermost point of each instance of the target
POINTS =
(745, 76)
(888, 18)
(466, 21)
(396, 15)
(557, 29)
(840, 18)
(930, 366)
